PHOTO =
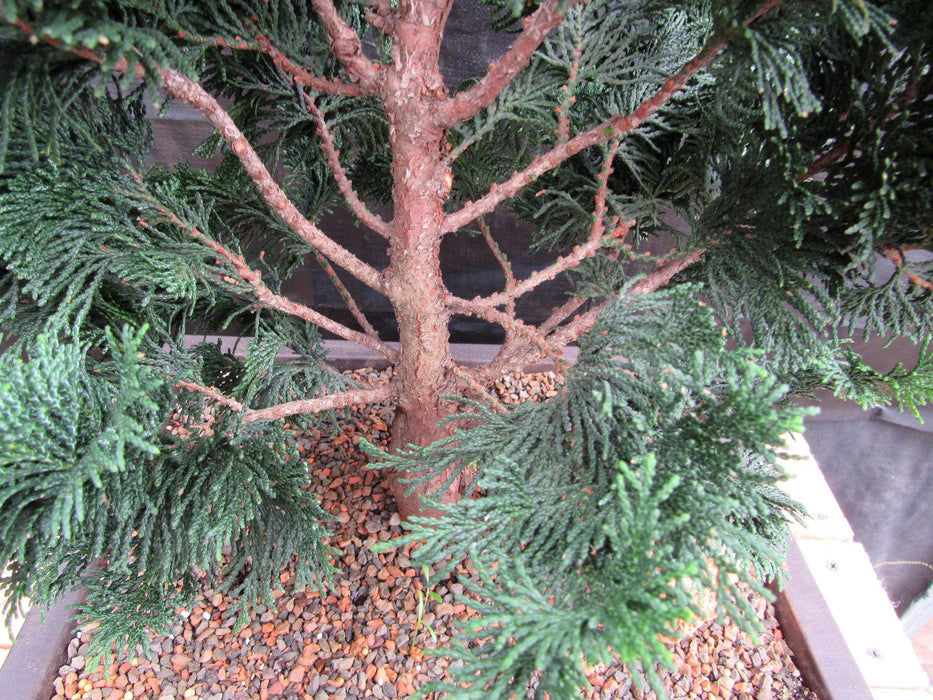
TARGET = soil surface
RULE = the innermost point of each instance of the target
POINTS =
(362, 638)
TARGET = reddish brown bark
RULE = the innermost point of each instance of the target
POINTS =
(412, 88)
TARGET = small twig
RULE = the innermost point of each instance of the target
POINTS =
(523, 345)
(346, 296)
(299, 75)
(571, 306)
(896, 257)
(327, 402)
(302, 76)
(562, 313)
(522, 340)
(651, 282)
(370, 219)
(497, 252)
(503, 261)
(563, 112)
(539, 277)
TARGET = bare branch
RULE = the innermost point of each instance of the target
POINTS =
(610, 129)
(595, 241)
(183, 88)
(524, 342)
(370, 219)
(563, 112)
(504, 263)
(346, 46)
(302, 76)
(212, 392)
(269, 299)
(187, 90)
(470, 102)
(328, 402)
(346, 296)
(498, 253)
(572, 305)
(299, 75)
(651, 282)
(562, 313)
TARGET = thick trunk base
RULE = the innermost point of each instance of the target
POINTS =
(421, 432)
(410, 504)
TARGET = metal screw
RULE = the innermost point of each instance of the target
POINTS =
(875, 654)
(832, 566)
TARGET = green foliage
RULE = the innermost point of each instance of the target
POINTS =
(660, 465)
(89, 472)
(796, 167)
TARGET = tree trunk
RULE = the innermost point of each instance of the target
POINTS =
(421, 185)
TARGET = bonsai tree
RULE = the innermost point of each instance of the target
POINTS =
(730, 190)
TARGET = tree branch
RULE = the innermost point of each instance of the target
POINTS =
(269, 299)
(498, 253)
(470, 102)
(346, 46)
(187, 90)
(213, 393)
(651, 282)
(359, 208)
(386, 392)
(610, 129)
(299, 75)
(183, 88)
(302, 76)
(346, 296)
(594, 242)
(563, 112)
(328, 402)
(540, 345)
(572, 305)
(523, 344)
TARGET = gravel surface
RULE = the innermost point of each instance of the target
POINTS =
(362, 639)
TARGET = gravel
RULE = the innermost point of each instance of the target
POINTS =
(361, 638)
